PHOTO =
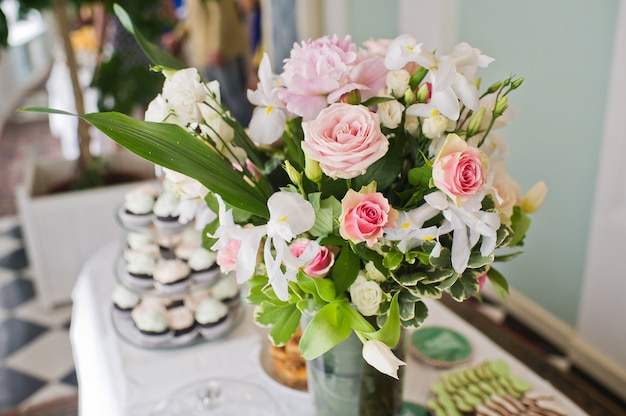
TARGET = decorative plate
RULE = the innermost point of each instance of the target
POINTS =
(440, 347)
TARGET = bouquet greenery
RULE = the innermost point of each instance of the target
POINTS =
(369, 179)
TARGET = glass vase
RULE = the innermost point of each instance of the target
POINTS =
(342, 383)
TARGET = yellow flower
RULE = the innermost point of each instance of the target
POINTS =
(534, 197)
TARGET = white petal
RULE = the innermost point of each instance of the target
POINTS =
(267, 124)
(290, 215)
(379, 355)
(247, 256)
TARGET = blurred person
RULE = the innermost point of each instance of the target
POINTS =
(216, 44)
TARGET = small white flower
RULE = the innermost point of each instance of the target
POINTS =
(157, 110)
(408, 232)
(379, 355)
(366, 295)
(435, 126)
(183, 91)
(372, 273)
(412, 125)
(390, 113)
(398, 82)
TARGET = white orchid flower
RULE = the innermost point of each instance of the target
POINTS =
(467, 59)
(269, 117)
(290, 215)
(405, 49)
(409, 231)
(377, 354)
(468, 223)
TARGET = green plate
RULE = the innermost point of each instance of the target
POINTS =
(439, 346)
(413, 409)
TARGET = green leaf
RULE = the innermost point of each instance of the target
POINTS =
(444, 259)
(384, 171)
(4, 30)
(420, 313)
(476, 260)
(410, 279)
(427, 291)
(464, 288)
(284, 320)
(437, 275)
(393, 260)
(520, 222)
(170, 146)
(390, 332)
(327, 329)
(322, 288)
(499, 282)
(346, 268)
(376, 100)
(155, 53)
(507, 257)
(420, 176)
(329, 209)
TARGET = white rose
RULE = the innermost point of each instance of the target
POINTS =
(157, 110)
(507, 194)
(372, 273)
(215, 127)
(412, 125)
(390, 113)
(435, 126)
(398, 82)
(366, 295)
(182, 92)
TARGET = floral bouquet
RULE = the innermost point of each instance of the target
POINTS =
(369, 179)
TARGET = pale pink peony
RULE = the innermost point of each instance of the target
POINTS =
(320, 265)
(345, 139)
(319, 72)
(227, 256)
(459, 169)
(364, 216)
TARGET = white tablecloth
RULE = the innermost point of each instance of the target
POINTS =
(117, 378)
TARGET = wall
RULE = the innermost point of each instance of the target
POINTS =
(563, 50)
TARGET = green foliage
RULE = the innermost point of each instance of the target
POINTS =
(347, 266)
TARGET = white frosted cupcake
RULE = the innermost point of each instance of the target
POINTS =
(183, 324)
(204, 269)
(140, 270)
(227, 290)
(167, 243)
(124, 300)
(190, 241)
(213, 318)
(152, 325)
(164, 210)
(171, 276)
(137, 209)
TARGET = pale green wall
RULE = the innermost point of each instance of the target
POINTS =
(563, 50)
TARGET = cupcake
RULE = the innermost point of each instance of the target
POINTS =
(164, 210)
(171, 276)
(166, 244)
(139, 271)
(213, 318)
(138, 242)
(182, 322)
(124, 300)
(190, 241)
(152, 325)
(227, 291)
(204, 269)
(137, 209)
(193, 299)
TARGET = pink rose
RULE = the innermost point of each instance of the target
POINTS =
(459, 169)
(319, 72)
(227, 256)
(345, 139)
(320, 265)
(364, 216)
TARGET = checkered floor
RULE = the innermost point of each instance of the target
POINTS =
(36, 361)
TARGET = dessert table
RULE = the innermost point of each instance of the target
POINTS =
(118, 378)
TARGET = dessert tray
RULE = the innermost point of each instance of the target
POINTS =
(126, 330)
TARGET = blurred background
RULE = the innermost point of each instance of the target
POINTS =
(569, 284)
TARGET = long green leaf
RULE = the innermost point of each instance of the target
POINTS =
(327, 329)
(155, 53)
(170, 146)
